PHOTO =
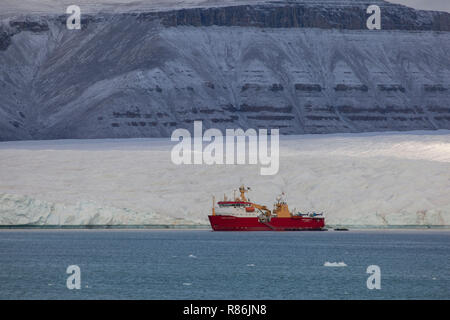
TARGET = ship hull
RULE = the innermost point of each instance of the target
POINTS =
(232, 223)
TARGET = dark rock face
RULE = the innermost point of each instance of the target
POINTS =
(27, 25)
(302, 68)
(15, 27)
(5, 40)
(281, 15)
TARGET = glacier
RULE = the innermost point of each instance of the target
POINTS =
(23, 210)
(366, 179)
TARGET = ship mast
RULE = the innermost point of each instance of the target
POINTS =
(243, 190)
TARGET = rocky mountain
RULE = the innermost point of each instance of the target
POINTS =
(301, 66)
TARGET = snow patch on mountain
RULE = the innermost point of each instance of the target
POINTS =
(311, 68)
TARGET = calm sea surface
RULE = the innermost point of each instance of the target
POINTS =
(200, 264)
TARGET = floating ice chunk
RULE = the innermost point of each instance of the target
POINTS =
(334, 264)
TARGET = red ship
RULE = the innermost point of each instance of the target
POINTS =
(243, 215)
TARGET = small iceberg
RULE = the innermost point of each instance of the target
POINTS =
(334, 264)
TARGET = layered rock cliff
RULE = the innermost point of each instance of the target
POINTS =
(301, 66)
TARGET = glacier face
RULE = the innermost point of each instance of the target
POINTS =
(390, 179)
(23, 210)
(303, 67)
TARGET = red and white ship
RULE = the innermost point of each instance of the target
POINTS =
(243, 215)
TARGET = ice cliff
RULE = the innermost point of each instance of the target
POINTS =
(388, 179)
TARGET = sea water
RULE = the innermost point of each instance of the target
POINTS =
(201, 264)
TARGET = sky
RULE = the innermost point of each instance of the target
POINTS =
(16, 6)
(443, 5)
